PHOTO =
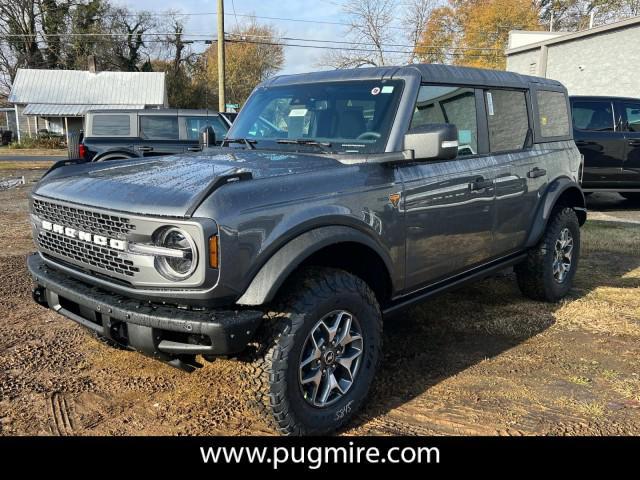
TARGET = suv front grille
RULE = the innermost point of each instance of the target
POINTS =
(111, 226)
(99, 257)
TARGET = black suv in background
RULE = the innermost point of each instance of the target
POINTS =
(123, 134)
(607, 133)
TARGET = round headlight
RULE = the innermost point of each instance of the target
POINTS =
(177, 267)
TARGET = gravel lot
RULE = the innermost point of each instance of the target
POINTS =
(479, 361)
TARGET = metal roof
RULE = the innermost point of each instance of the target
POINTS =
(78, 87)
(57, 110)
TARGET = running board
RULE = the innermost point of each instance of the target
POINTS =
(452, 283)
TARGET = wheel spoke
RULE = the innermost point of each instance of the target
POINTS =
(347, 360)
(328, 386)
(313, 356)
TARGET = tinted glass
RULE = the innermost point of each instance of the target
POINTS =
(553, 115)
(507, 119)
(596, 116)
(351, 116)
(157, 127)
(632, 112)
(111, 125)
(195, 124)
(454, 105)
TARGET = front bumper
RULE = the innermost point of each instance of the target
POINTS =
(163, 332)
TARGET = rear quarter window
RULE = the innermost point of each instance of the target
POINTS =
(111, 125)
(553, 116)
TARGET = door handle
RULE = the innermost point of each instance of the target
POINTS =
(536, 172)
(194, 149)
(480, 184)
(145, 149)
(634, 143)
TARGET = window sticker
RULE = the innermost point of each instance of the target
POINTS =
(543, 121)
(375, 90)
(298, 112)
(387, 89)
(490, 104)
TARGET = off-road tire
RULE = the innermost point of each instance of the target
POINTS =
(310, 296)
(535, 274)
(632, 196)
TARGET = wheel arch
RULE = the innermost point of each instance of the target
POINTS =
(333, 246)
(562, 191)
(114, 155)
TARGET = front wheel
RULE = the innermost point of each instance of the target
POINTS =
(320, 352)
(548, 272)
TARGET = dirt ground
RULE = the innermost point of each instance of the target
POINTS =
(479, 361)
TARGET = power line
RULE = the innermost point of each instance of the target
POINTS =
(208, 36)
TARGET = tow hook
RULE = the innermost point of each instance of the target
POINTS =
(39, 296)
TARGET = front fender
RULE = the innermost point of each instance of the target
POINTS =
(277, 269)
(556, 189)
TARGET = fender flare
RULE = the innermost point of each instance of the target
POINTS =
(282, 263)
(554, 191)
(124, 153)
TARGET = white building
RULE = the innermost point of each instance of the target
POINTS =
(603, 60)
(57, 100)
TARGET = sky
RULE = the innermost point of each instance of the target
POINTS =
(296, 59)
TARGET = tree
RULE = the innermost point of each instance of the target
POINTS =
(252, 54)
(368, 32)
(475, 32)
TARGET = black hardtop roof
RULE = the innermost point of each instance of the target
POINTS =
(430, 73)
(157, 111)
(602, 97)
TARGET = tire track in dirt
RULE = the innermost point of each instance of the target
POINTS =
(62, 422)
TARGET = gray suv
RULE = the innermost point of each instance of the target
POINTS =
(336, 199)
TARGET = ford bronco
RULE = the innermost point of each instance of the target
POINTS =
(336, 200)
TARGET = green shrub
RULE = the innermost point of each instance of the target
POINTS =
(33, 142)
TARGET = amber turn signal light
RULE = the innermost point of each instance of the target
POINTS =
(213, 251)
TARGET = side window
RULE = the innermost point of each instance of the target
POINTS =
(507, 119)
(195, 124)
(594, 116)
(454, 105)
(553, 115)
(157, 127)
(632, 116)
(111, 125)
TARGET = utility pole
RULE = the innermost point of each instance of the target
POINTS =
(221, 99)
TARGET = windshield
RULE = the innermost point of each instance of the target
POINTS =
(353, 117)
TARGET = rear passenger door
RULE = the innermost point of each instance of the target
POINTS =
(448, 205)
(521, 172)
(599, 139)
(159, 135)
(631, 125)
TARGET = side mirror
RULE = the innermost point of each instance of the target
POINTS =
(438, 141)
(207, 137)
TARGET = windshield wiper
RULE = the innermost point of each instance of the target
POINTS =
(324, 146)
(248, 142)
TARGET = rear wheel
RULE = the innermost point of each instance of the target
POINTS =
(319, 354)
(547, 273)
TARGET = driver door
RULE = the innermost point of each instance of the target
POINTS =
(448, 205)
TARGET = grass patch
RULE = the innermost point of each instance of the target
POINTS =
(9, 165)
(580, 380)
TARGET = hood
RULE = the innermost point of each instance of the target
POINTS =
(168, 186)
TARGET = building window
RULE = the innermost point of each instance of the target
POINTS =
(158, 127)
(454, 105)
(111, 125)
(552, 114)
(593, 116)
(507, 119)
